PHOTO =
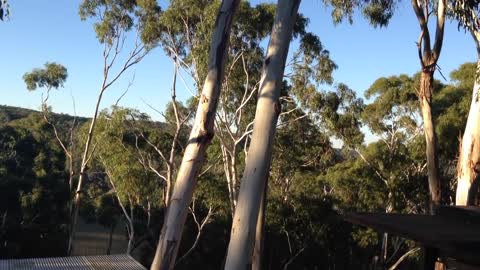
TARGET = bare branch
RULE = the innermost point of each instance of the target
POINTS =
(136, 55)
(423, 25)
(130, 83)
(419, 48)
(153, 108)
(158, 150)
(280, 125)
(437, 47)
(285, 267)
(205, 171)
(377, 172)
(91, 154)
(200, 226)
(404, 256)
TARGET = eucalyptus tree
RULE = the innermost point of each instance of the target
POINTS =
(468, 166)
(301, 152)
(394, 117)
(132, 184)
(234, 119)
(158, 146)
(112, 22)
(309, 63)
(379, 13)
(428, 57)
(187, 28)
(260, 150)
(53, 76)
(200, 137)
(268, 109)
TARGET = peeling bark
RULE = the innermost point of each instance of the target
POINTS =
(425, 98)
(468, 166)
(260, 151)
(428, 57)
(200, 137)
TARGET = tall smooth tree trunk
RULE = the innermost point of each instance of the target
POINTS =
(260, 233)
(83, 171)
(426, 88)
(256, 171)
(200, 136)
(468, 167)
(428, 59)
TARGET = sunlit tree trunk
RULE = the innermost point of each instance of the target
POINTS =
(468, 166)
(256, 171)
(200, 137)
(425, 98)
(428, 57)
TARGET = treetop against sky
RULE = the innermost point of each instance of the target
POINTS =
(51, 31)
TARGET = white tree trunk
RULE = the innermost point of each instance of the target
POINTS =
(200, 136)
(130, 229)
(83, 170)
(469, 158)
(260, 233)
(256, 171)
(109, 57)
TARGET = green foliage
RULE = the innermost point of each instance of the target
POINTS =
(310, 181)
(379, 12)
(337, 113)
(394, 116)
(117, 155)
(116, 17)
(9, 113)
(395, 105)
(466, 13)
(464, 76)
(312, 63)
(53, 75)
(34, 190)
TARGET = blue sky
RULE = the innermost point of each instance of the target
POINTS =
(51, 30)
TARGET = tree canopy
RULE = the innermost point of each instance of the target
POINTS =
(152, 181)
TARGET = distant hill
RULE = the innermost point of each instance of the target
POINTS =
(11, 113)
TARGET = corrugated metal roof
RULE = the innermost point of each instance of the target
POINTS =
(106, 262)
